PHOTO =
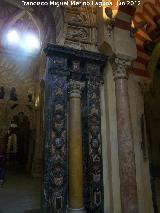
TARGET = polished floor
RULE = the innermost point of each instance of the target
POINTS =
(20, 193)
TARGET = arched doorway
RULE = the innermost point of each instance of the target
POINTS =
(152, 113)
(18, 138)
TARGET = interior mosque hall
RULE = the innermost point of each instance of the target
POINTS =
(80, 107)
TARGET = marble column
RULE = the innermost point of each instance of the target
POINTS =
(127, 168)
(75, 149)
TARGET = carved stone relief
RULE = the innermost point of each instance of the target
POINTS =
(80, 27)
(80, 16)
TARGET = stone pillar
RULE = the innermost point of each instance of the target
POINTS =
(75, 149)
(127, 168)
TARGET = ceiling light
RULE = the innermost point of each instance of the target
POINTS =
(31, 42)
(13, 36)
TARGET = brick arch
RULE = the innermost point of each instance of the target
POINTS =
(150, 13)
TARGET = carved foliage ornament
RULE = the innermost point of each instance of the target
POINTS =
(119, 66)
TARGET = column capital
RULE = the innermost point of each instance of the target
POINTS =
(119, 66)
(75, 88)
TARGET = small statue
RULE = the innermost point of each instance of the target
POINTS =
(13, 94)
(2, 93)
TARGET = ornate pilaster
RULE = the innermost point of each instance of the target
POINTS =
(68, 70)
(55, 137)
(127, 168)
(75, 149)
(95, 181)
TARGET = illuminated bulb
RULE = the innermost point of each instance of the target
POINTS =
(13, 36)
(31, 42)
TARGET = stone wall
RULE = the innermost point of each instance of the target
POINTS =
(142, 165)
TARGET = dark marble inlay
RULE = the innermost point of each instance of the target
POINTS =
(65, 64)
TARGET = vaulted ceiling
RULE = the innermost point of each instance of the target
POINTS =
(17, 69)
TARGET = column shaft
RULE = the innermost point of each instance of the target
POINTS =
(127, 167)
(75, 154)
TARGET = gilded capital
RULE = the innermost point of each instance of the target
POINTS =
(119, 66)
(75, 89)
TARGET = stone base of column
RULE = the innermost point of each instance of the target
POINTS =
(81, 210)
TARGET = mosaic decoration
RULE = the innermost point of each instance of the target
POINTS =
(55, 144)
(95, 148)
(63, 65)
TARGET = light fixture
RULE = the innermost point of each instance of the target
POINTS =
(25, 41)
(110, 21)
(13, 37)
(30, 42)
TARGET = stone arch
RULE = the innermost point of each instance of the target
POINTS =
(22, 20)
(47, 20)
(149, 12)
